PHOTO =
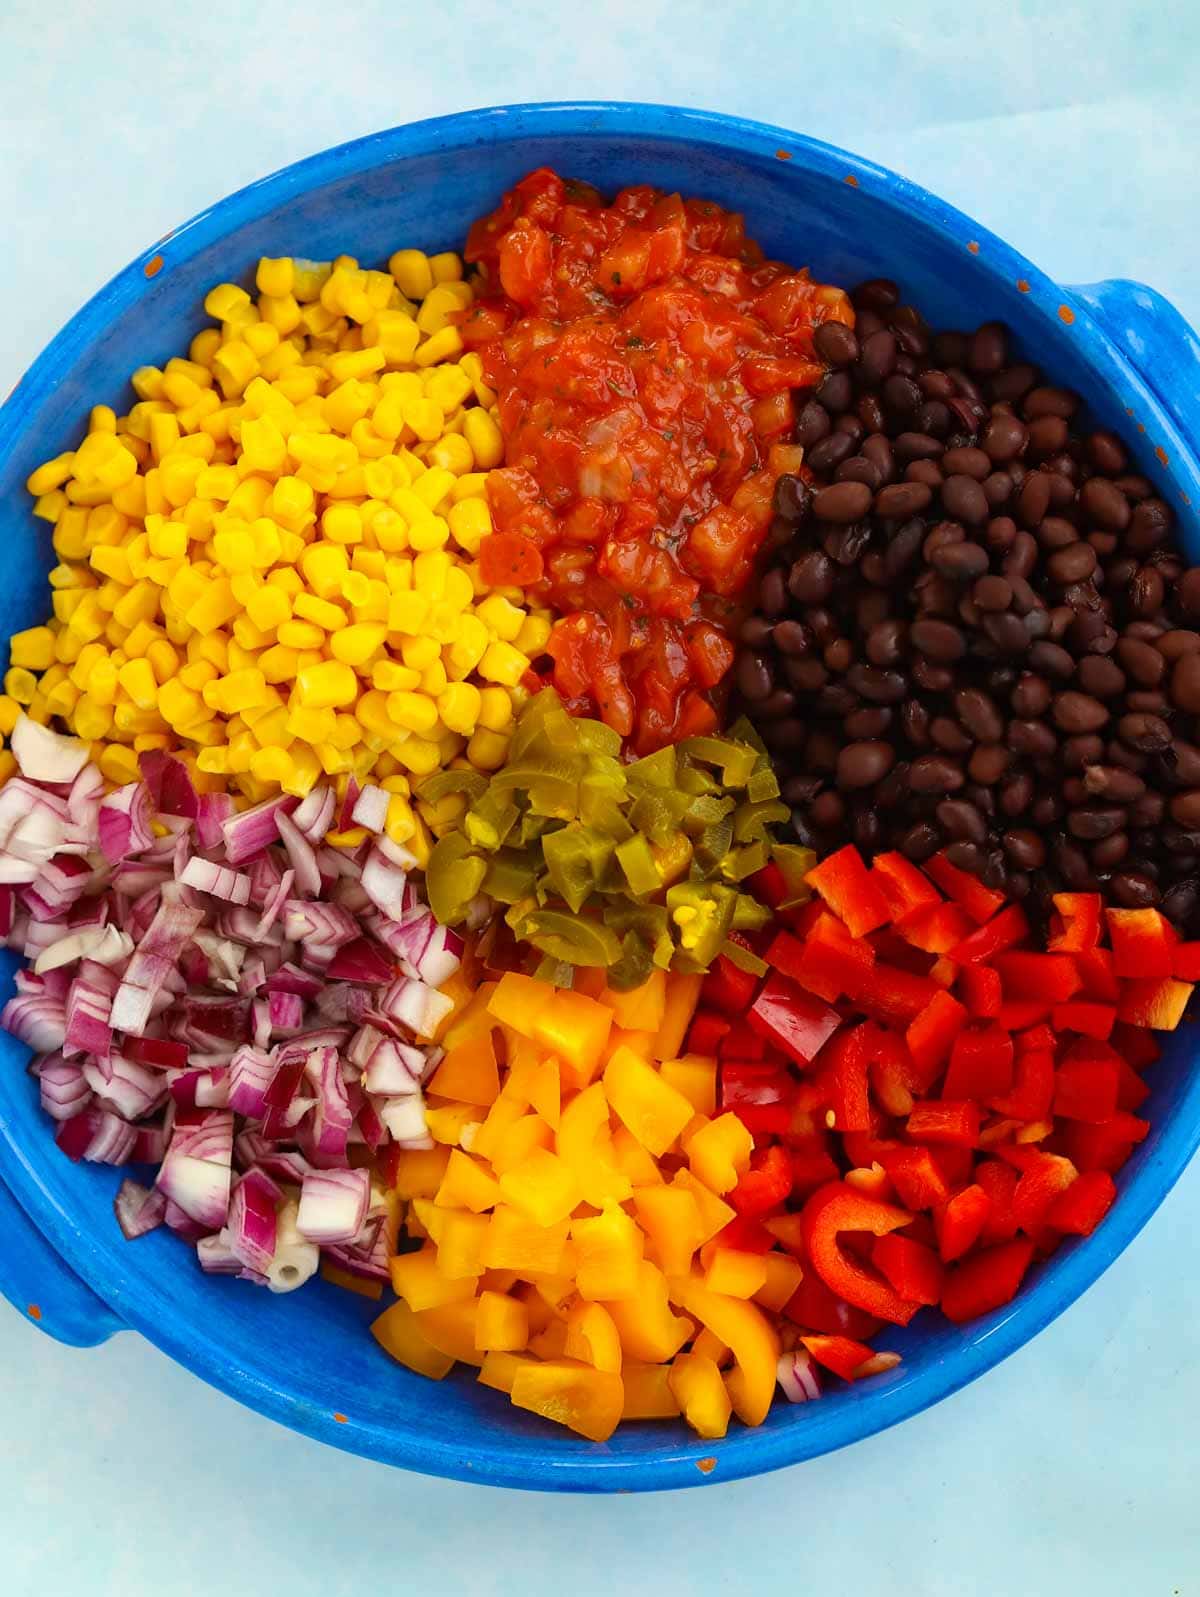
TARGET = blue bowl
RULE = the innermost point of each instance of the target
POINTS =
(307, 1361)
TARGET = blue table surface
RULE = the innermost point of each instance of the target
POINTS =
(1071, 129)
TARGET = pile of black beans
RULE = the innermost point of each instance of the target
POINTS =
(974, 632)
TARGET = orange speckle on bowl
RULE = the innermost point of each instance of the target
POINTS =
(340, 1419)
(706, 1465)
(1161, 455)
(1066, 314)
(1187, 498)
(1023, 284)
(34, 1312)
(973, 246)
(853, 182)
(1141, 426)
(153, 266)
(783, 155)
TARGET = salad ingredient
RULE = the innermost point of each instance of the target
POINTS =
(178, 1021)
(978, 635)
(630, 869)
(645, 357)
(270, 564)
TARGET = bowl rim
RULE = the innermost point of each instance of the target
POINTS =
(559, 1465)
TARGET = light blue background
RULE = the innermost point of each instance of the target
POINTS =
(1072, 130)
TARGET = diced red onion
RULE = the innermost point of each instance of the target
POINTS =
(797, 1377)
(128, 1089)
(39, 1021)
(419, 1008)
(64, 1091)
(103, 944)
(139, 1210)
(197, 1169)
(251, 1227)
(124, 822)
(361, 961)
(255, 829)
(251, 1072)
(405, 1120)
(300, 852)
(333, 1205)
(207, 877)
(216, 1255)
(313, 816)
(44, 755)
(274, 906)
(371, 808)
(393, 1069)
(150, 1145)
(152, 960)
(286, 1011)
(171, 788)
(212, 811)
(384, 882)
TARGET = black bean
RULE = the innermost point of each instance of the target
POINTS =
(754, 676)
(830, 451)
(1073, 563)
(938, 639)
(811, 578)
(902, 499)
(835, 391)
(998, 489)
(933, 678)
(875, 294)
(1004, 438)
(1104, 504)
(827, 809)
(979, 714)
(1034, 499)
(932, 418)
(967, 462)
(1112, 783)
(875, 685)
(988, 763)
(1079, 712)
(792, 497)
(1185, 683)
(1146, 733)
(859, 469)
(935, 773)
(963, 498)
(1024, 848)
(948, 736)
(1095, 822)
(1110, 851)
(812, 424)
(1107, 453)
(1031, 737)
(836, 343)
(1007, 632)
(1050, 402)
(844, 501)
(992, 593)
(868, 723)
(961, 562)
(916, 446)
(961, 820)
(1100, 676)
(1185, 808)
(865, 763)
(1144, 663)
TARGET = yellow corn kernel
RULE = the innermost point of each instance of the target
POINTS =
(401, 823)
(442, 302)
(469, 646)
(458, 705)
(397, 335)
(278, 663)
(62, 699)
(390, 676)
(51, 474)
(447, 386)
(261, 339)
(470, 522)
(9, 712)
(137, 678)
(147, 382)
(140, 637)
(502, 663)
(101, 682)
(487, 750)
(34, 648)
(443, 345)
(418, 756)
(91, 720)
(119, 765)
(225, 301)
(323, 612)
(355, 645)
(326, 686)
(179, 705)
(446, 267)
(500, 617)
(419, 652)
(342, 524)
(267, 607)
(424, 416)
(300, 634)
(413, 273)
(234, 364)
(271, 765)
(452, 453)
(168, 540)
(48, 507)
(484, 437)
(413, 711)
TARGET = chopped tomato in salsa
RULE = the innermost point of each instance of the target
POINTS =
(645, 355)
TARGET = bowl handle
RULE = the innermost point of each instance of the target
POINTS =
(1152, 335)
(41, 1287)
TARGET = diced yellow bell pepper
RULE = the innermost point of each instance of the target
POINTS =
(501, 1324)
(500, 1119)
(419, 1171)
(451, 1329)
(592, 1337)
(641, 1008)
(715, 1215)
(744, 1328)
(499, 1369)
(460, 1244)
(648, 1394)
(648, 1328)
(518, 1141)
(671, 1220)
(700, 1391)
(447, 1122)
(784, 1275)
(515, 1242)
(735, 1272)
(583, 1139)
(682, 996)
(633, 1159)
(654, 1111)
(585, 1400)
(542, 1186)
(466, 1184)
(399, 1333)
(417, 1279)
(517, 1001)
(473, 1018)
(576, 1028)
(551, 1341)
(468, 1073)
(696, 1078)
(610, 1251)
(537, 1081)
(719, 1153)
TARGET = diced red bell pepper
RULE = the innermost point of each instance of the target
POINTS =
(1018, 1014)
(980, 902)
(840, 1354)
(1080, 1209)
(913, 1269)
(865, 1148)
(960, 1222)
(741, 1041)
(936, 928)
(766, 1184)
(1039, 1039)
(1003, 931)
(1142, 941)
(979, 989)
(931, 1035)
(815, 1307)
(953, 1123)
(893, 996)
(1095, 967)
(943, 972)
(903, 886)
(1046, 978)
(706, 1033)
(851, 892)
(981, 1064)
(1157, 1003)
(1132, 1091)
(729, 988)
(812, 1167)
(917, 1177)
(842, 1067)
(1086, 1089)
(891, 949)
(1043, 1177)
(956, 1163)
(1185, 961)
(783, 953)
(831, 971)
(892, 1073)
(1134, 1043)
(1089, 1020)
(837, 1208)
(761, 1094)
(1032, 1088)
(986, 1281)
(999, 1181)
(1080, 929)
(746, 1235)
(1104, 1147)
(793, 1021)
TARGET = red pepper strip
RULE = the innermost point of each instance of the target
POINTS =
(981, 1064)
(1086, 1089)
(892, 1072)
(1032, 1089)
(1104, 1147)
(1038, 1039)
(1043, 1177)
(1135, 1044)
(1095, 967)
(893, 996)
(1048, 978)
(840, 1354)
(746, 1235)
(812, 1168)
(917, 1177)
(1142, 940)
(830, 971)
(930, 1036)
(741, 1041)
(785, 1015)
(760, 1094)
(1158, 1003)
(986, 1281)
(842, 1069)
(1080, 923)
(836, 1208)
(913, 1269)
(864, 1148)
(846, 885)
(1004, 930)
(904, 886)
(1080, 1209)
(784, 953)
(891, 948)
(999, 1181)
(729, 988)
(953, 1123)
(1185, 961)
(1089, 1020)
(957, 1164)
(815, 1307)
(960, 1222)
(979, 989)
(707, 1032)
(935, 928)
(765, 1185)
(980, 902)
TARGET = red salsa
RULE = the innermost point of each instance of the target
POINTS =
(645, 356)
